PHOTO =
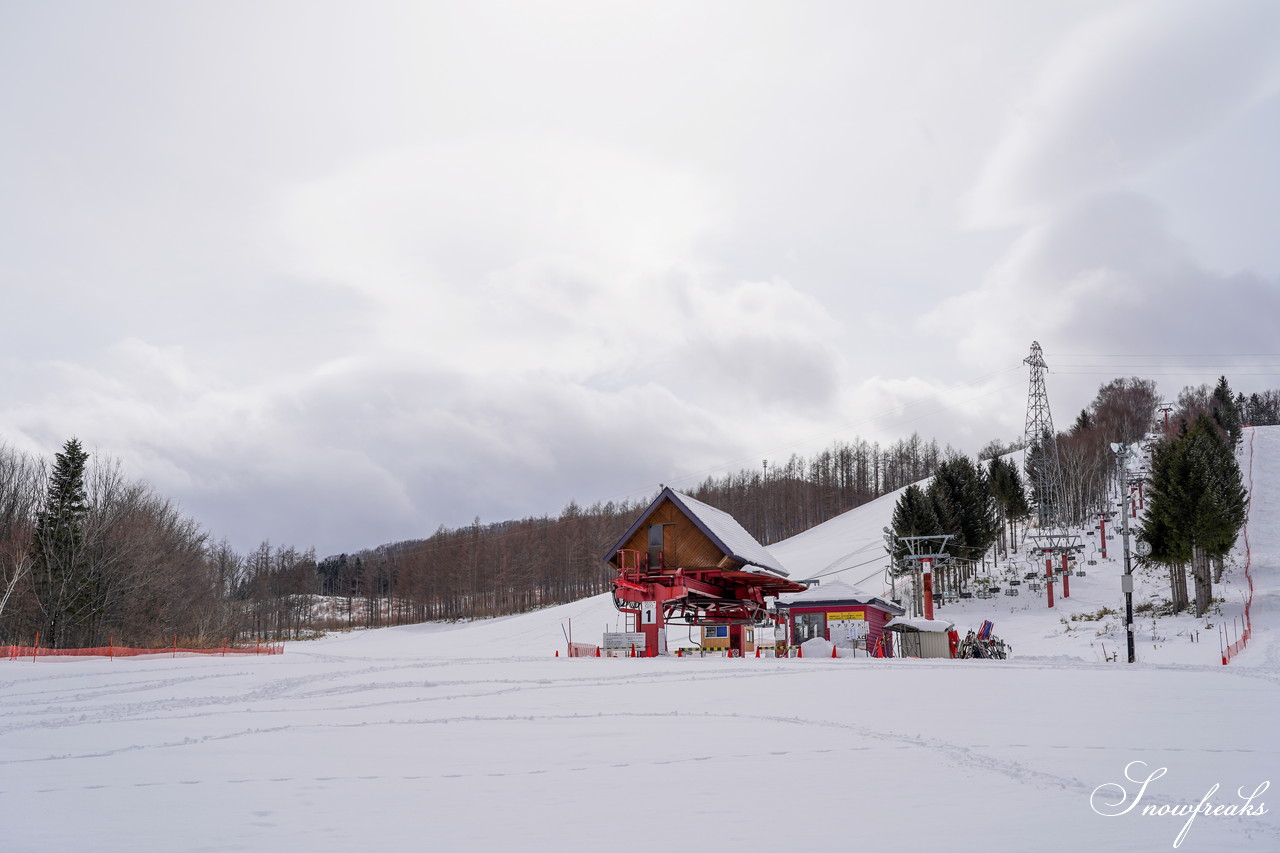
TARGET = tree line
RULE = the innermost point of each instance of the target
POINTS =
(87, 554)
(775, 502)
(1196, 503)
(485, 570)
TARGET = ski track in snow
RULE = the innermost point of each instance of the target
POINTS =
(421, 722)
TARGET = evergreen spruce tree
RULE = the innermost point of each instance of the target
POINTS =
(1223, 502)
(58, 552)
(1226, 412)
(1010, 494)
(1196, 507)
(964, 506)
(1167, 516)
(913, 515)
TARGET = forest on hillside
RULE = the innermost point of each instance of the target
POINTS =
(1197, 504)
(88, 555)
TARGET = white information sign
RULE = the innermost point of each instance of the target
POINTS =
(648, 612)
(622, 641)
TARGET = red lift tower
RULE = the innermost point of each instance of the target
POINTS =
(688, 560)
(1057, 543)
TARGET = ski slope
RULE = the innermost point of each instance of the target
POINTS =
(475, 737)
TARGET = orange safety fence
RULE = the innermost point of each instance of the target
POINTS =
(33, 653)
(1243, 629)
(583, 650)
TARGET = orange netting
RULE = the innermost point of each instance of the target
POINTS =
(1243, 629)
(114, 651)
(583, 650)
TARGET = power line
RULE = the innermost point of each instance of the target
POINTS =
(1192, 370)
(740, 461)
(1168, 355)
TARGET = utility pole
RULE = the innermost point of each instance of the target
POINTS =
(764, 501)
(1126, 581)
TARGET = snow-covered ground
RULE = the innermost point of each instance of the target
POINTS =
(476, 738)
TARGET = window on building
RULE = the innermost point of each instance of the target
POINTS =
(808, 626)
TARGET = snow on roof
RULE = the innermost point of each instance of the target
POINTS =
(837, 591)
(919, 623)
(832, 591)
(728, 533)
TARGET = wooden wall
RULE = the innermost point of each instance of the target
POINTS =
(683, 544)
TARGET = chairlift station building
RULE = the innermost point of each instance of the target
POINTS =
(684, 559)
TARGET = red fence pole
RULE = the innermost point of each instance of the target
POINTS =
(36, 648)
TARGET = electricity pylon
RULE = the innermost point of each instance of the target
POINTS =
(1043, 471)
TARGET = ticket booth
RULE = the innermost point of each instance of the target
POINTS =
(848, 617)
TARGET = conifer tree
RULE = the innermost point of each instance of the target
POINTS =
(1010, 494)
(964, 506)
(1196, 507)
(1167, 516)
(58, 547)
(913, 515)
(1226, 411)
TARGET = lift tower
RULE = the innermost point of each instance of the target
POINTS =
(1042, 466)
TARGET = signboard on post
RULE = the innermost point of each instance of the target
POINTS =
(620, 643)
(845, 629)
(648, 613)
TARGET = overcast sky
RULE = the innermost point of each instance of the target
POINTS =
(335, 274)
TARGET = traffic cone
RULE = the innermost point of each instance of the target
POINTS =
(597, 651)
(557, 653)
(833, 652)
(799, 651)
(757, 651)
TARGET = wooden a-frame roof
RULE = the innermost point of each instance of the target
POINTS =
(717, 525)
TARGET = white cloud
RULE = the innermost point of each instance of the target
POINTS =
(1124, 92)
(441, 265)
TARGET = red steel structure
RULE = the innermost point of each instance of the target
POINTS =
(684, 559)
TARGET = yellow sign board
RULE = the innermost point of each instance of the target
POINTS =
(841, 617)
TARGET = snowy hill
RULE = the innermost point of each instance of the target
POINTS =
(850, 548)
(474, 737)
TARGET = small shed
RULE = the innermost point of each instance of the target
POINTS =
(922, 638)
(841, 613)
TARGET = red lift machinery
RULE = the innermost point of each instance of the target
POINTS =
(684, 559)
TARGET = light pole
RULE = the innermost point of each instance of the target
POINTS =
(1126, 581)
